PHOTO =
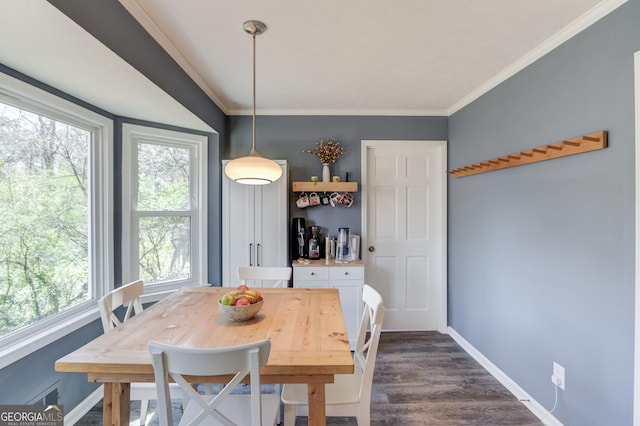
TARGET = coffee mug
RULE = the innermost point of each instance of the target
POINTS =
(324, 200)
(302, 201)
(347, 199)
(314, 199)
(335, 198)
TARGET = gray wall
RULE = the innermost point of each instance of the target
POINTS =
(541, 257)
(26, 378)
(285, 137)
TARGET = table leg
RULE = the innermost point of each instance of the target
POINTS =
(317, 414)
(116, 404)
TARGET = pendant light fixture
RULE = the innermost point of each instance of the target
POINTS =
(254, 169)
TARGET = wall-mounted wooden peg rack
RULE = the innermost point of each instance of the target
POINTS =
(586, 143)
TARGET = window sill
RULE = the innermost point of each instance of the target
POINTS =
(30, 343)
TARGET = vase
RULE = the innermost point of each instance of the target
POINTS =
(326, 173)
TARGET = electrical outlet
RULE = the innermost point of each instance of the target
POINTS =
(558, 375)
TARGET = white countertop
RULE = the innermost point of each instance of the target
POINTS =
(325, 262)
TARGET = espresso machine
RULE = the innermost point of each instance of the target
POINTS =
(299, 239)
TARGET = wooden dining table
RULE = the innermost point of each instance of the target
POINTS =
(309, 343)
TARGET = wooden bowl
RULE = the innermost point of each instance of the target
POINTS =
(240, 313)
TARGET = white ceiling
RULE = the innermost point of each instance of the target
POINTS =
(360, 57)
(407, 57)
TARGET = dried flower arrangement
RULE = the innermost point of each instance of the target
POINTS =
(328, 152)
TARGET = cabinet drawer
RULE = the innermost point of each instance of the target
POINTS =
(346, 273)
(310, 274)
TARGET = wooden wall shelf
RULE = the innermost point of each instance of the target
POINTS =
(325, 186)
(586, 143)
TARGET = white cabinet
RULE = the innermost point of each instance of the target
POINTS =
(347, 279)
(254, 225)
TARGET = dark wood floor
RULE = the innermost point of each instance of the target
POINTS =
(421, 378)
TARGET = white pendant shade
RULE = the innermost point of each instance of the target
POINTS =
(253, 169)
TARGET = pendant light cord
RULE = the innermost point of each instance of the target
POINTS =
(254, 94)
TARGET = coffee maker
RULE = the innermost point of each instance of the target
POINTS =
(342, 246)
(299, 239)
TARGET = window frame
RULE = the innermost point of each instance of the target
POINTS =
(131, 135)
(23, 342)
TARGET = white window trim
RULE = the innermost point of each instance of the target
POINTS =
(28, 340)
(131, 133)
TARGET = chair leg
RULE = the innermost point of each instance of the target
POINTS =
(212, 388)
(144, 406)
(289, 415)
(278, 391)
(363, 419)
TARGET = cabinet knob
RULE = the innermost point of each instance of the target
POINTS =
(313, 273)
(346, 273)
(372, 249)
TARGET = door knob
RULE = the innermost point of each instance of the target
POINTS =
(372, 249)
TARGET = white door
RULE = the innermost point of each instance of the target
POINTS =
(404, 223)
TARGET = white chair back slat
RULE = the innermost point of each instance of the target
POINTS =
(365, 354)
(279, 276)
(128, 296)
(177, 362)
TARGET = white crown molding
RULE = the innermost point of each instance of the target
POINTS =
(147, 23)
(341, 112)
(581, 23)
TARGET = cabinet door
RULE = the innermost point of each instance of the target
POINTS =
(312, 284)
(351, 301)
(238, 230)
(254, 225)
(271, 222)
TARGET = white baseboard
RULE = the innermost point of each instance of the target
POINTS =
(74, 416)
(534, 406)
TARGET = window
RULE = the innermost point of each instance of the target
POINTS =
(164, 207)
(55, 216)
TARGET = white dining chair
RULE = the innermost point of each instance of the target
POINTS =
(174, 362)
(350, 394)
(128, 296)
(278, 277)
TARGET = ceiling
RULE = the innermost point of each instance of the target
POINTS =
(38, 40)
(408, 57)
(338, 57)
